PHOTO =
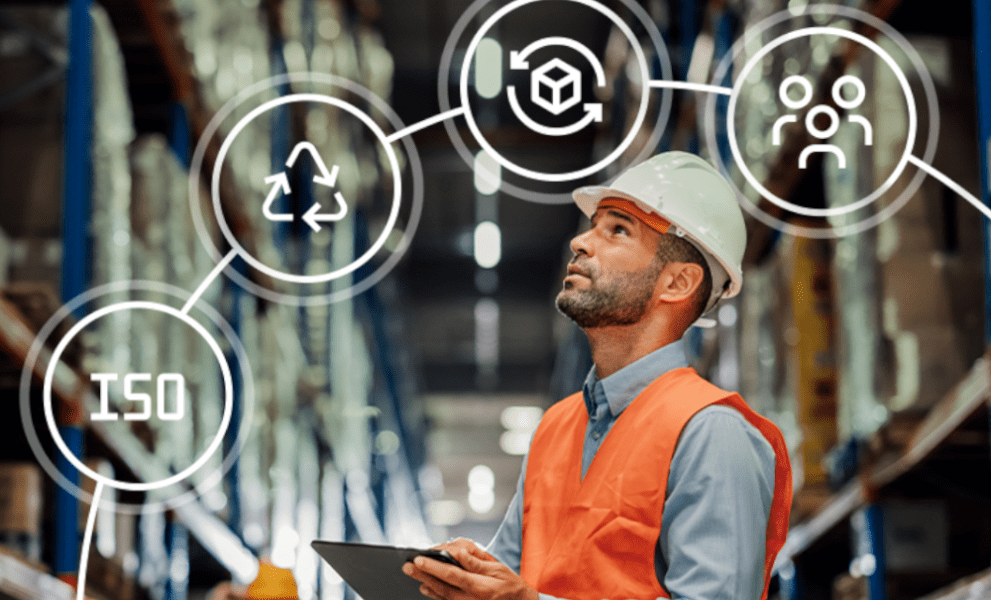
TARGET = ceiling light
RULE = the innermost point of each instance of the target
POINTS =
(488, 173)
(515, 442)
(481, 477)
(445, 513)
(488, 68)
(521, 417)
(488, 244)
(481, 500)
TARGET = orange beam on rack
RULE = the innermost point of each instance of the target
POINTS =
(959, 404)
(163, 24)
(165, 27)
(16, 339)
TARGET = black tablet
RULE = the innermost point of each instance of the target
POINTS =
(376, 572)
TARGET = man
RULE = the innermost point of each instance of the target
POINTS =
(651, 482)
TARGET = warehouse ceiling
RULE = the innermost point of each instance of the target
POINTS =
(441, 280)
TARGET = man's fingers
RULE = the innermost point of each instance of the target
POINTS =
(473, 563)
(440, 589)
(443, 581)
(430, 586)
(454, 547)
(422, 576)
(443, 571)
(480, 553)
(484, 565)
(410, 570)
(429, 593)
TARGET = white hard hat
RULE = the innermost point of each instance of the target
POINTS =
(699, 203)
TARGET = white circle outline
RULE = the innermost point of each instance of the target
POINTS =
(396, 196)
(838, 210)
(416, 172)
(834, 230)
(224, 421)
(572, 175)
(27, 377)
(838, 92)
(467, 156)
(834, 121)
(803, 83)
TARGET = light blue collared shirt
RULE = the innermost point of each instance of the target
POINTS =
(720, 487)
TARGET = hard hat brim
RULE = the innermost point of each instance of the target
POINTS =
(588, 199)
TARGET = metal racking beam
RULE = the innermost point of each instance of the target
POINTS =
(970, 396)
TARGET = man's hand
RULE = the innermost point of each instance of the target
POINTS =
(483, 577)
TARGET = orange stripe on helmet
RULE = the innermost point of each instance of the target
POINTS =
(652, 220)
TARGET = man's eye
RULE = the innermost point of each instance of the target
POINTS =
(620, 229)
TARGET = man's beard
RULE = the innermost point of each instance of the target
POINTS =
(622, 301)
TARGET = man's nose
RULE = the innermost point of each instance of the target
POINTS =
(580, 244)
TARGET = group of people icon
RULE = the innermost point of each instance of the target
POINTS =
(805, 87)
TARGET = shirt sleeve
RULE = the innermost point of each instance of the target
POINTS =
(720, 488)
(507, 544)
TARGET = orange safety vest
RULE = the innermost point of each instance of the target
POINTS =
(594, 539)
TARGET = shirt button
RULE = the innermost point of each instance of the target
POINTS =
(596, 435)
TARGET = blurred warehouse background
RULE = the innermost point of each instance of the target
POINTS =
(395, 403)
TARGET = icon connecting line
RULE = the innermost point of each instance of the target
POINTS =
(87, 541)
(280, 185)
(450, 114)
(692, 86)
(953, 185)
(221, 265)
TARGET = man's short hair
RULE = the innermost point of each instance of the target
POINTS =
(671, 248)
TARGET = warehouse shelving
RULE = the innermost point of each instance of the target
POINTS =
(951, 425)
(159, 23)
(76, 395)
(23, 581)
(957, 424)
(75, 233)
(947, 417)
(969, 588)
(854, 514)
(952, 439)
(982, 58)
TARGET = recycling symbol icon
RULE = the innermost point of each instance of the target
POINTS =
(280, 184)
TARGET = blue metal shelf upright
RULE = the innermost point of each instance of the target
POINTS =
(76, 252)
(982, 60)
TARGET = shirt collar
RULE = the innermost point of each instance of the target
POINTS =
(619, 389)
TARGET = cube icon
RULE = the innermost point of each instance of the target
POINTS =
(555, 86)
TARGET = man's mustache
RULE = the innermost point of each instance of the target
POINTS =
(580, 266)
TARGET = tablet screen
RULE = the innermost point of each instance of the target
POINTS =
(374, 572)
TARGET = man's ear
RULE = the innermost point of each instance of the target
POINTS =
(679, 281)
